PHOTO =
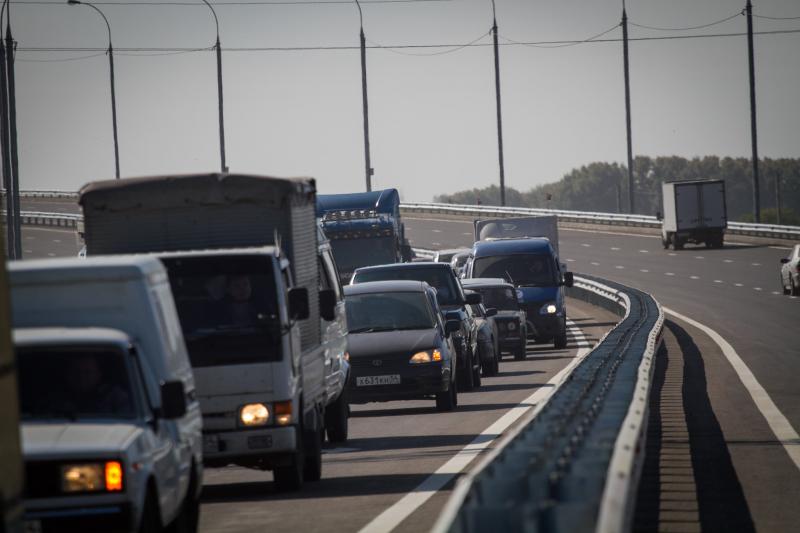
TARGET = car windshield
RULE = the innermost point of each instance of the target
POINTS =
(227, 307)
(388, 311)
(501, 298)
(351, 254)
(75, 383)
(441, 279)
(518, 269)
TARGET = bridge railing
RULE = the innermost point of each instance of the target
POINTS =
(573, 464)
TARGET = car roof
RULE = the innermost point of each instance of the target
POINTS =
(512, 246)
(372, 287)
(94, 268)
(400, 266)
(485, 282)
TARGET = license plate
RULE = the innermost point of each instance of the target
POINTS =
(33, 526)
(210, 444)
(366, 381)
(259, 442)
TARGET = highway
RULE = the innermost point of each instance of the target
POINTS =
(725, 384)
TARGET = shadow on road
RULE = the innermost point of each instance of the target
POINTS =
(408, 442)
(255, 491)
(432, 410)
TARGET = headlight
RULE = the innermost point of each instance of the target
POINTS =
(512, 326)
(254, 414)
(548, 309)
(426, 357)
(92, 477)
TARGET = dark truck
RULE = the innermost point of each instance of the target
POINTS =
(364, 228)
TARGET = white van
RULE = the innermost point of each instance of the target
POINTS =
(135, 458)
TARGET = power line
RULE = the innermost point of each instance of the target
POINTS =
(61, 60)
(775, 18)
(396, 47)
(573, 43)
(455, 49)
(701, 26)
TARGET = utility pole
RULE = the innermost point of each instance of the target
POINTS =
(363, 40)
(9, 139)
(110, 53)
(6, 154)
(778, 195)
(218, 48)
(627, 107)
(753, 133)
(499, 113)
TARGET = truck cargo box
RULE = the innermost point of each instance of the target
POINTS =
(518, 228)
(208, 211)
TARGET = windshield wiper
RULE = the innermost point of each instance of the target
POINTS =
(372, 329)
(509, 277)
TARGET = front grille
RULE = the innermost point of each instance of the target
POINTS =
(42, 479)
(380, 363)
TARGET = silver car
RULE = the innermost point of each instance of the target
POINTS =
(790, 272)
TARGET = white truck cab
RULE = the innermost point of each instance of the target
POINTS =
(111, 426)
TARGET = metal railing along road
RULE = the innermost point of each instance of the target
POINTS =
(589, 217)
(574, 463)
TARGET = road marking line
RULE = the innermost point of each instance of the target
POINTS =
(644, 270)
(644, 251)
(699, 257)
(694, 277)
(586, 245)
(673, 254)
(756, 288)
(738, 284)
(436, 230)
(778, 423)
(779, 248)
(775, 292)
(620, 267)
(717, 281)
(50, 254)
(756, 264)
(669, 274)
(392, 517)
(594, 263)
(615, 248)
(727, 260)
(468, 234)
(436, 243)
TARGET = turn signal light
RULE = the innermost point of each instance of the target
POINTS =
(113, 476)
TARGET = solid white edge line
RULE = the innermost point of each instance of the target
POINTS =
(392, 517)
(777, 422)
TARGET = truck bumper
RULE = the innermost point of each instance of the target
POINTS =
(109, 517)
(545, 327)
(254, 447)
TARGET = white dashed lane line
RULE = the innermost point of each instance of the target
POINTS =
(756, 288)
(50, 254)
(738, 285)
(672, 254)
(594, 263)
(644, 251)
(436, 230)
(586, 245)
(699, 257)
(644, 270)
(756, 264)
(694, 277)
(619, 267)
(727, 260)
(717, 281)
(668, 274)
(56, 240)
(615, 248)
(570, 260)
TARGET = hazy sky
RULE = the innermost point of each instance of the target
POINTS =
(432, 118)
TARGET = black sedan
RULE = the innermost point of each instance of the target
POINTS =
(511, 321)
(400, 348)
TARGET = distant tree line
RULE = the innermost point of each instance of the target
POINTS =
(603, 187)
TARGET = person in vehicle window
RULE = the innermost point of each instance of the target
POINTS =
(89, 391)
(240, 309)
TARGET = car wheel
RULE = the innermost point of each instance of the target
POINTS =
(520, 352)
(665, 241)
(336, 419)
(794, 290)
(312, 467)
(189, 517)
(784, 288)
(467, 377)
(677, 243)
(560, 342)
(151, 521)
(476, 373)
(447, 400)
(290, 477)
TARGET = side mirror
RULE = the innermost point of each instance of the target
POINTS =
(327, 304)
(173, 400)
(298, 303)
(451, 326)
(784, 260)
(659, 216)
(473, 298)
(569, 279)
(491, 312)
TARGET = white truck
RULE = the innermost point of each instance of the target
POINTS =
(695, 212)
(243, 258)
(111, 425)
(518, 228)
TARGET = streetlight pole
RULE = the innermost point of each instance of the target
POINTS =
(223, 165)
(627, 107)
(363, 40)
(9, 137)
(113, 84)
(753, 136)
(499, 113)
(11, 237)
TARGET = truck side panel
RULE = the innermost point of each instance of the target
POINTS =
(687, 206)
(668, 194)
(713, 202)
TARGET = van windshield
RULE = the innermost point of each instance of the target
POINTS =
(75, 383)
(518, 269)
(228, 308)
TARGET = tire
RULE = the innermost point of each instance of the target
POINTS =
(467, 377)
(447, 400)
(677, 243)
(794, 290)
(290, 477)
(665, 242)
(476, 372)
(312, 446)
(336, 419)
(786, 290)
(151, 521)
(520, 353)
(560, 341)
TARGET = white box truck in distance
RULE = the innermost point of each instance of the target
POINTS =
(694, 211)
(242, 257)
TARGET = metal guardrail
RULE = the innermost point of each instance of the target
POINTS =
(67, 195)
(588, 217)
(574, 463)
(35, 218)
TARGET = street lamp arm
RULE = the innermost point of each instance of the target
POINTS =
(89, 4)
(360, 15)
(494, 15)
(216, 20)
